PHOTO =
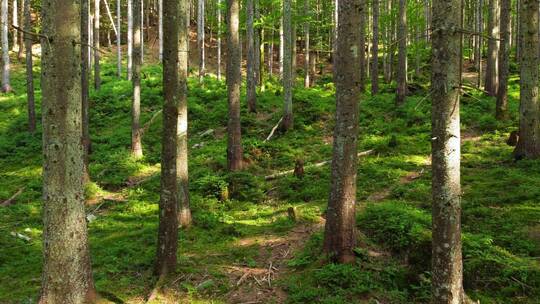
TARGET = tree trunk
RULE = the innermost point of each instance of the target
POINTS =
(6, 85)
(142, 30)
(160, 29)
(491, 84)
(402, 54)
(200, 39)
(340, 232)
(67, 275)
(287, 66)
(15, 21)
(136, 144)
(307, 78)
(362, 50)
(119, 38)
(168, 203)
(447, 266)
(375, 50)
(85, 86)
(130, 39)
(97, 68)
(281, 44)
(219, 33)
(480, 42)
(257, 45)
(29, 68)
(19, 13)
(184, 211)
(504, 57)
(529, 111)
(251, 87)
(234, 79)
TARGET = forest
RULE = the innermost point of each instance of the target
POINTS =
(270, 151)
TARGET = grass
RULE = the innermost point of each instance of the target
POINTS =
(500, 203)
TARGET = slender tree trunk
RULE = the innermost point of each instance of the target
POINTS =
(293, 52)
(491, 84)
(136, 140)
(307, 78)
(119, 37)
(184, 211)
(234, 79)
(261, 60)
(200, 39)
(168, 204)
(362, 50)
(504, 57)
(67, 275)
(160, 29)
(251, 88)
(97, 68)
(287, 66)
(29, 68)
(19, 13)
(480, 42)
(219, 33)
(271, 56)
(6, 85)
(257, 44)
(130, 39)
(340, 231)
(447, 266)
(15, 21)
(375, 50)
(85, 86)
(142, 30)
(281, 45)
(529, 111)
(402, 54)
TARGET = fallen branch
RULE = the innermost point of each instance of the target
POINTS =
(274, 130)
(149, 123)
(11, 200)
(283, 173)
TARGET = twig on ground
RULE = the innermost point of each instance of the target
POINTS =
(12, 199)
(274, 130)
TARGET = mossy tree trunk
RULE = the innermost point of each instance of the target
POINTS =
(340, 234)
(447, 269)
(529, 111)
(66, 276)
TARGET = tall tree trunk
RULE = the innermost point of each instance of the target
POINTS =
(340, 231)
(85, 86)
(136, 140)
(307, 78)
(119, 38)
(480, 42)
(491, 84)
(142, 30)
(168, 203)
(261, 59)
(219, 33)
(182, 174)
(375, 50)
(362, 50)
(281, 44)
(29, 68)
(234, 79)
(251, 87)
(257, 44)
(160, 29)
(200, 39)
(287, 66)
(15, 21)
(19, 13)
(402, 54)
(447, 265)
(67, 275)
(6, 85)
(97, 68)
(130, 39)
(504, 57)
(529, 111)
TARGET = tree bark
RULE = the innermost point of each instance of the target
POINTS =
(182, 174)
(307, 78)
(340, 234)
(67, 275)
(251, 87)
(6, 85)
(219, 33)
(375, 50)
(15, 21)
(504, 57)
(447, 268)
(168, 204)
(287, 66)
(528, 145)
(200, 39)
(234, 79)
(402, 54)
(362, 50)
(160, 29)
(136, 140)
(119, 38)
(480, 42)
(85, 87)
(29, 68)
(491, 82)
(97, 67)
(130, 39)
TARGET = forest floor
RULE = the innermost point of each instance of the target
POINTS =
(244, 247)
